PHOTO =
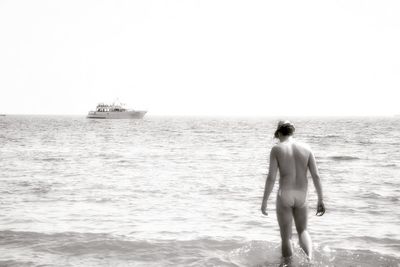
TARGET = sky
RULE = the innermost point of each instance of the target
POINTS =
(211, 58)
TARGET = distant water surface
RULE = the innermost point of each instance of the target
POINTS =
(187, 191)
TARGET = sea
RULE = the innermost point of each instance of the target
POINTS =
(187, 191)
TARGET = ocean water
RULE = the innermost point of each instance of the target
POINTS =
(187, 192)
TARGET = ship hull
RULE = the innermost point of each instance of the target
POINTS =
(116, 115)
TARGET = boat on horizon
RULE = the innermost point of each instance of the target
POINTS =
(115, 111)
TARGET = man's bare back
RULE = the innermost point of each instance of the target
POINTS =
(293, 160)
(293, 164)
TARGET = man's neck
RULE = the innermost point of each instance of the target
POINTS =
(285, 138)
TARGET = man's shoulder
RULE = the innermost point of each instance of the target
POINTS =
(276, 148)
(303, 146)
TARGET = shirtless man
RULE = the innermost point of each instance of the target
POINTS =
(293, 159)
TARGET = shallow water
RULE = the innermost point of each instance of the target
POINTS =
(187, 192)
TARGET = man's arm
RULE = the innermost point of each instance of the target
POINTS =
(269, 184)
(312, 166)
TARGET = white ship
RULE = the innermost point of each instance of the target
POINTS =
(115, 111)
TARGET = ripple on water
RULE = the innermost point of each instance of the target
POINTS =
(190, 177)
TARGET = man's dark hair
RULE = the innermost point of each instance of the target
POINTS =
(285, 129)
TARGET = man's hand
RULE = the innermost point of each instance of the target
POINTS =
(264, 208)
(320, 208)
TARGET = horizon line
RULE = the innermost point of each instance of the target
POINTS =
(215, 115)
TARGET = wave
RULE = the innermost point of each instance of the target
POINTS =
(16, 263)
(377, 196)
(326, 136)
(88, 249)
(384, 240)
(35, 187)
(343, 158)
(387, 165)
(51, 159)
(372, 195)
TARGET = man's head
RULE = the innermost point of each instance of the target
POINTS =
(285, 128)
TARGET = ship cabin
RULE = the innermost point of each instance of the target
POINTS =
(109, 108)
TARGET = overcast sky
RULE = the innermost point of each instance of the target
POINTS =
(262, 58)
